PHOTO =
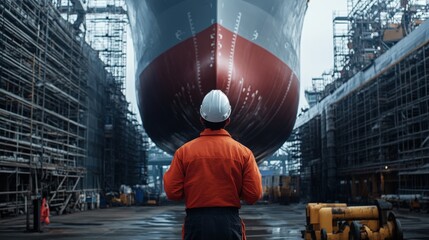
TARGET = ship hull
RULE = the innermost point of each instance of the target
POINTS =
(245, 48)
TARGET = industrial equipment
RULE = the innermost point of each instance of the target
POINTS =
(281, 188)
(339, 221)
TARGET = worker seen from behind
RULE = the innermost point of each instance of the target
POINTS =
(212, 173)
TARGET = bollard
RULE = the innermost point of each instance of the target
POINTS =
(36, 214)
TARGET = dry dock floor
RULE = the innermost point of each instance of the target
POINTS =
(164, 222)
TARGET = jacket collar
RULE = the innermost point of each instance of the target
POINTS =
(209, 132)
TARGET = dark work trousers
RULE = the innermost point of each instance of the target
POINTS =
(217, 223)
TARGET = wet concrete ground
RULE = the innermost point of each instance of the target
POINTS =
(165, 222)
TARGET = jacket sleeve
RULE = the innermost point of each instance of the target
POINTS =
(252, 181)
(174, 179)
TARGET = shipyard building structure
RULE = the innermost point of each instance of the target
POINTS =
(366, 134)
(67, 134)
(66, 131)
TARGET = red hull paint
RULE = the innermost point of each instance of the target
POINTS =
(262, 89)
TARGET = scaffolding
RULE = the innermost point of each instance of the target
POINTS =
(106, 22)
(369, 29)
(125, 159)
(369, 137)
(319, 89)
(64, 119)
(43, 98)
(103, 25)
(385, 126)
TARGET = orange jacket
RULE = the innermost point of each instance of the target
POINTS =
(213, 170)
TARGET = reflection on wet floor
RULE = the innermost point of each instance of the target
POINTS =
(265, 222)
(165, 222)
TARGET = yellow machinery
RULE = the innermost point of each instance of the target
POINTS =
(338, 221)
(281, 188)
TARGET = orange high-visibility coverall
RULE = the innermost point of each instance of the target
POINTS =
(213, 170)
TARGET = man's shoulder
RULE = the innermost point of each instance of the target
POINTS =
(200, 141)
(238, 143)
(189, 144)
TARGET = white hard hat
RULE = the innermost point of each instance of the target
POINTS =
(215, 107)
